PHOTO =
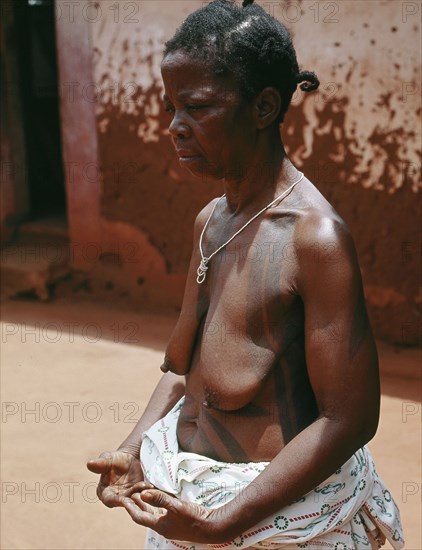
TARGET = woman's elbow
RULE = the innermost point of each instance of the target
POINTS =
(366, 429)
(370, 428)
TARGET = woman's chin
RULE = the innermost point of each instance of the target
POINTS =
(198, 167)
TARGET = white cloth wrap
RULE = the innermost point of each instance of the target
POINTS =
(351, 509)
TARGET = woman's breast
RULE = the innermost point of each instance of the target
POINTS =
(231, 374)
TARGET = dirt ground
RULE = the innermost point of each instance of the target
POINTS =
(74, 379)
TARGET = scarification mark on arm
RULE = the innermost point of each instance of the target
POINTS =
(227, 439)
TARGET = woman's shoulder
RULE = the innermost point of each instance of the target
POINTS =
(319, 223)
(204, 214)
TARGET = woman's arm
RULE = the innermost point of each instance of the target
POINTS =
(120, 471)
(342, 365)
(169, 390)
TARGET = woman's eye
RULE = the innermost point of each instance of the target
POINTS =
(190, 107)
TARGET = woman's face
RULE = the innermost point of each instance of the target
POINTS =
(212, 126)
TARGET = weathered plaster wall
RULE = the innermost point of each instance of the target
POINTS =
(357, 139)
(149, 203)
(143, 183)
(360, 142)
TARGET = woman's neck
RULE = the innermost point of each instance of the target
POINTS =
(263, 177)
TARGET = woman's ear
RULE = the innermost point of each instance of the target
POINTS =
(267, 107)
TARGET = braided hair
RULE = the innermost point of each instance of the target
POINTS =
(245, 42)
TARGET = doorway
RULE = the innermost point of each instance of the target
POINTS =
(36, 49)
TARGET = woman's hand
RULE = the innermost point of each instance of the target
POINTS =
(120, 472)
(175, 519)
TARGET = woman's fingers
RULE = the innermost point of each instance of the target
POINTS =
(99, 465)
(159, 499)
(120, 476)
(140, 486)
(144, 506)
(138, 511)
(106, 461)
(165, 514)
(112, 498)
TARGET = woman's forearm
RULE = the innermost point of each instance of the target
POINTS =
(169, 390)
(310, 458)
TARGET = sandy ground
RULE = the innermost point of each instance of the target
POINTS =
(74, 379)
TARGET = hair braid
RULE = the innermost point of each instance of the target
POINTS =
(245, 42)
(311, 78)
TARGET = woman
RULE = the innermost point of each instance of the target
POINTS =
(256, 433)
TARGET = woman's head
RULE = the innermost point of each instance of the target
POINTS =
(245, 43)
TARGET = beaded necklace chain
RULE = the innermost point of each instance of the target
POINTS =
(203, 266)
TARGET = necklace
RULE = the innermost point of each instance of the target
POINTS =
(203, 266)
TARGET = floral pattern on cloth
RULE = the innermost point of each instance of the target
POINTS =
(352, 509)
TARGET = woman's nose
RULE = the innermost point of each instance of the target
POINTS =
(178, 127)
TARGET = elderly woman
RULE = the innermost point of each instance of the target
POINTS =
(255, 435)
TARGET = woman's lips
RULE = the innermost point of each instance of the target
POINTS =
(187, 155)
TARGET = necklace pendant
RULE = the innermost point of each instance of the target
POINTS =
(202, 271)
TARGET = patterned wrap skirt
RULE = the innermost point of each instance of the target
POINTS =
(352, 509)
